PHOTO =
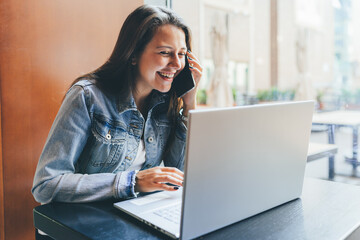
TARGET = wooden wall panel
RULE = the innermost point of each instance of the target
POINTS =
(44, 46)
(2, 234)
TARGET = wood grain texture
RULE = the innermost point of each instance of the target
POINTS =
(44, 46)
(2, 218)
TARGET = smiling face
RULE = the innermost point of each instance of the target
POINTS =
(161, 61)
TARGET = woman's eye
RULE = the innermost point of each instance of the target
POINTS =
(167, 54)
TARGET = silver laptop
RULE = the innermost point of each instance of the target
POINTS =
(240, 161)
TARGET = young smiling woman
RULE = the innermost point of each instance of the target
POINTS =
(118, 123)
(162, 59)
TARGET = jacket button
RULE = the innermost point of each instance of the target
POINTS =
(150, 139)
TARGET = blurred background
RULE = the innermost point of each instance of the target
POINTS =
(252, 51)
(277, 50)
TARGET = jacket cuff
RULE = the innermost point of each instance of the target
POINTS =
(124, 186)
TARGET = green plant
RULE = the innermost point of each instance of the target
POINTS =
(201, 96)
(233, 90)
(263, 95)
(319, 96)
(274, 94)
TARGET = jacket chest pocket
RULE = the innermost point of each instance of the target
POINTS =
(108, 143)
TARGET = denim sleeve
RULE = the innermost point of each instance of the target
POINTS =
(175, 155)
(55, 177)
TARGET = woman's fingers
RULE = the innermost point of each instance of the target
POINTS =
(169, 179)
(171, 170)
(194, 62)
(191, 55)
(189, 99)
(195, 67)
(166, 187)
(196, 74)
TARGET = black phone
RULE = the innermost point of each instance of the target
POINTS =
(183, 82)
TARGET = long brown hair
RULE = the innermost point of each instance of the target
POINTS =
(117, 74)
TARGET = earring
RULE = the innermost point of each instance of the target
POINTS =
(133, 61)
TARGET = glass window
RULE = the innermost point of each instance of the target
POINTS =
(278, 49)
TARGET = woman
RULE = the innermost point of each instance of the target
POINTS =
(118, 123)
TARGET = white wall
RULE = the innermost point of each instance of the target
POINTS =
(287, 70)
(319, 42)
(190, 11)
(259, 68)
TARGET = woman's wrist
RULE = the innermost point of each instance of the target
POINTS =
(186, 109)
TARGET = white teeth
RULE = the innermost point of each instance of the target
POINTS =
(168, 75)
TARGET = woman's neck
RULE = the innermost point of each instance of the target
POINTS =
(140, 100)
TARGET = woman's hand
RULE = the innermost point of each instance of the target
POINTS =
(196, 70)
(155, 179)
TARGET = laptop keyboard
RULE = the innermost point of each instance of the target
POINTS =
(171, 213)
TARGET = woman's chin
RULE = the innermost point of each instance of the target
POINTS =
(164, 90)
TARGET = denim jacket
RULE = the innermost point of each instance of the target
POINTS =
(94, 140)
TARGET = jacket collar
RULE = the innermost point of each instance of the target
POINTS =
(155, 98)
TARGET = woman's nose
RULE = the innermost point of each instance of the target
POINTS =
(176, 62)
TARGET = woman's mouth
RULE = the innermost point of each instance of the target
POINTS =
(166, 75)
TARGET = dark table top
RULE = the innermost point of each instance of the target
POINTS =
(326, 210)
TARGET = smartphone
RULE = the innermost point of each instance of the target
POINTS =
(183, 82)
